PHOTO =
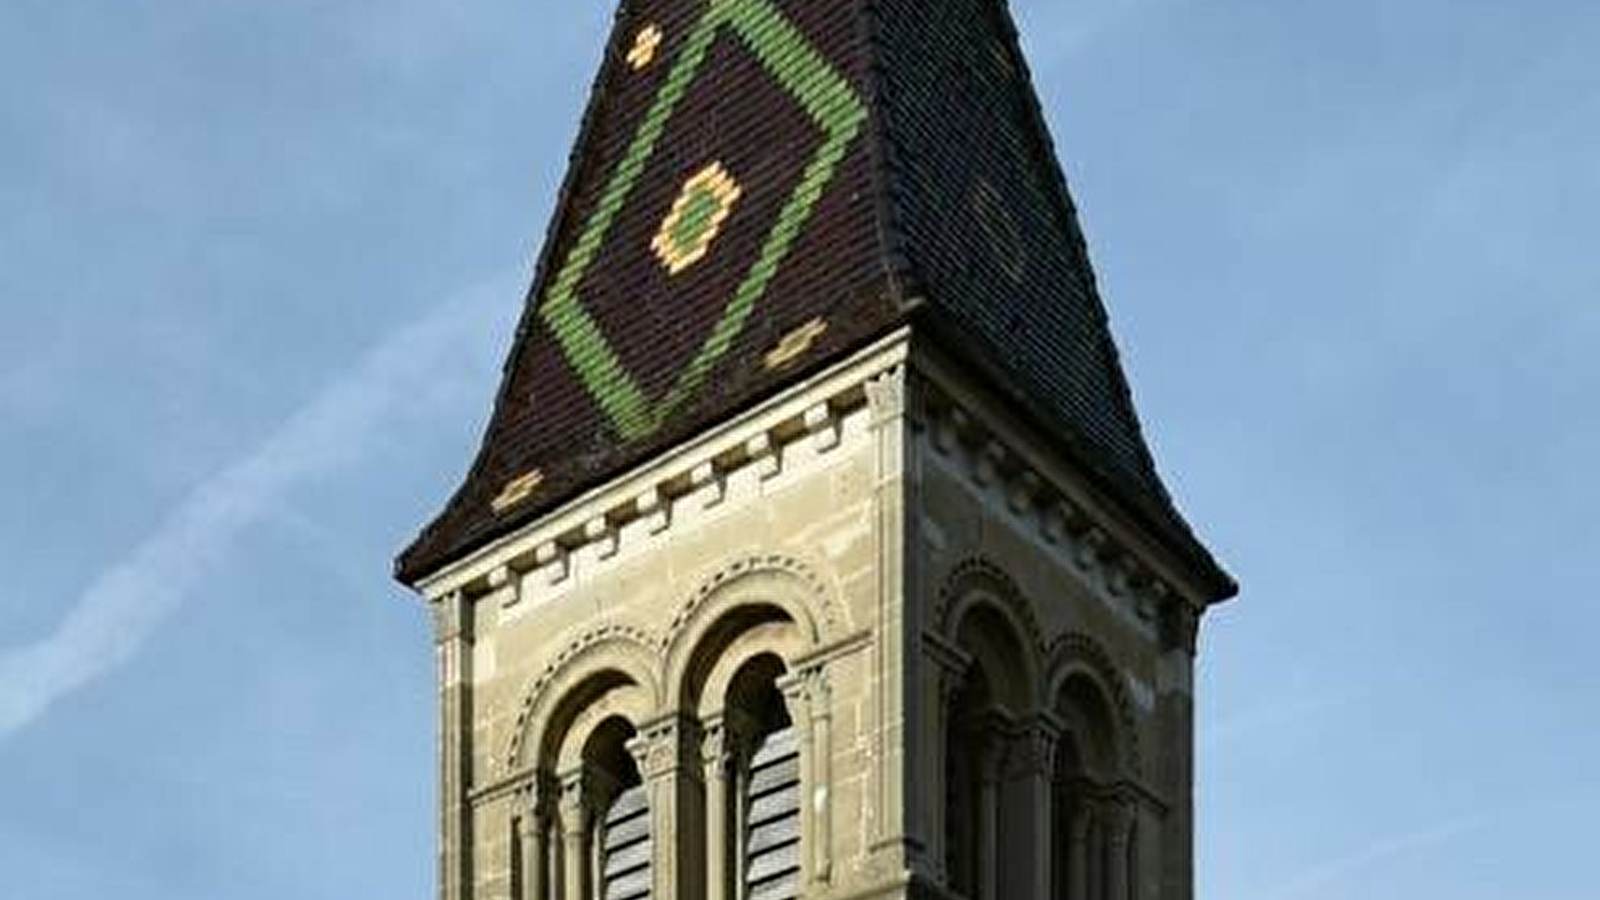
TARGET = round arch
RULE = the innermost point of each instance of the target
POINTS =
(982, 611)
(779, 639)
(593, 665)
(1083, 674)
(748, 597)
(570, 736)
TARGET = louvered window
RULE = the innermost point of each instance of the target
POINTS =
(772, 840)
(625, 848)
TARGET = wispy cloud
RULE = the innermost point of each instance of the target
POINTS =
(125, 605)
(1274, 718)
(1333, 871)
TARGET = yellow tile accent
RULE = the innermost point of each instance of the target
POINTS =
(671, 248)
(645, 45)
(518, 490)
(796, 343)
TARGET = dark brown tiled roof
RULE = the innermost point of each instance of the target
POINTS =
(750, 171)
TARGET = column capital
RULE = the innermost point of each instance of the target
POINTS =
(809, 692)
(1119, 820)
(452, 618)
(573, 805)
(886, 395)
(715, 749)
(1033, 746)
(539, 798)
(665, 746)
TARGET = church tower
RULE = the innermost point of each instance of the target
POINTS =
(813, 549)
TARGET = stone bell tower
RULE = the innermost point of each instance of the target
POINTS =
(813, 549)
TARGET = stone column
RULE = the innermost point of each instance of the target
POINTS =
(739, 784)
(1119, 837)
(989, 819)
(1078, 853)
(533, 832)
(716, 761)
(742, 736)
(947, 668)
(452, 624)
(576, 819)
(810, 701)
(1034, 759)
(887, 725)
(668, 755)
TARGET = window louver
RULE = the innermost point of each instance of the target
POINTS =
(772, 842)
(626, 848)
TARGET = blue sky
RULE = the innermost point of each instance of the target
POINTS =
(258, 268)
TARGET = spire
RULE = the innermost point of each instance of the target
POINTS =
(762, 186)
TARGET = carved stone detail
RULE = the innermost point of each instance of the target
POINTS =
(452, 618)
(979, 574)
(823, 426)
(816, 589)
(886, 396)
(1080, 651)
(652, 507)
(1110, 568)
(762, 454)
(666, 746)
(583, 643)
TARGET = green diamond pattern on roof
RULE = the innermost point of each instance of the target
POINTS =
(881, 165)
(826, 97)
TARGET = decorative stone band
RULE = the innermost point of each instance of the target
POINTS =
(1109, 565)
(645, 503)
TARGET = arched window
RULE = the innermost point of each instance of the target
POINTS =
(989, 828)
(612, 858)
(966, 746)
(772, 835)
(766, 784)
(1093, 818)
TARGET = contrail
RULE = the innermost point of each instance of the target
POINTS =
(124, 606)
(1273, 718)
(1333, 871)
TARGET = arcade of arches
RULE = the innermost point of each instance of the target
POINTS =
(688, 778)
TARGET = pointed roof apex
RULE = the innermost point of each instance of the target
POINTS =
(762, 186)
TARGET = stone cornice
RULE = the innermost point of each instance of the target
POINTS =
(648, 500)
(1024, 480)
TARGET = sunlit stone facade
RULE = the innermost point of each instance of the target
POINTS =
(986, 673)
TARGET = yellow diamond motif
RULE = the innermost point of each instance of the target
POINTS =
(645, 45)
(696, 218)
(518, 490)
(796, 343)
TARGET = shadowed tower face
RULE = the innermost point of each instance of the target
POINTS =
(814, 548)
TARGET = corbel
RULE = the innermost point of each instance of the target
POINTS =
(823, 426)
(504, 579)
(553, 560)
(948, 430)
(599, 532)
(763, 456)
(708, 483)
(986, 468)
(1090, 547)
(1024, 488)
(653, 508)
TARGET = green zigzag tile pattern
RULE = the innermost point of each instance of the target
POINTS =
(825, 96)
